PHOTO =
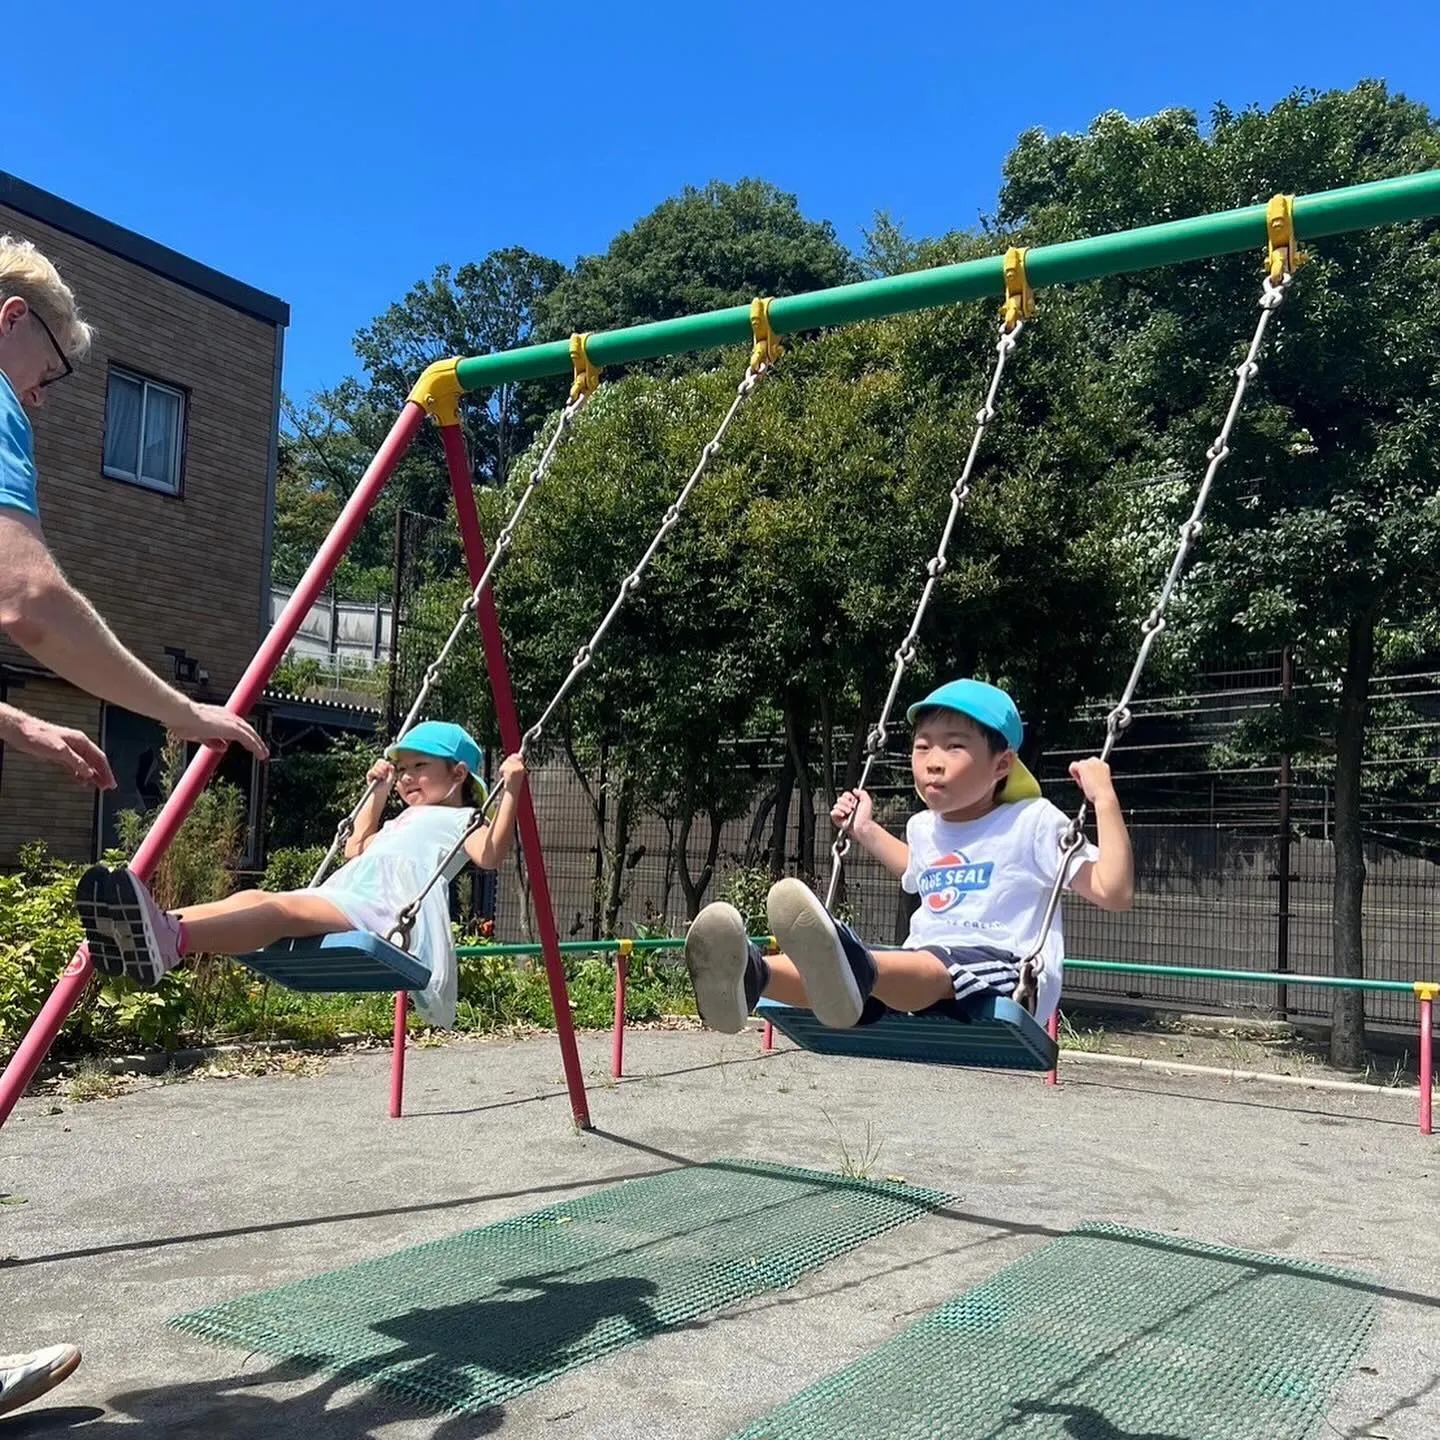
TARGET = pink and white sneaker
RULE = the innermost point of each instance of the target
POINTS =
(128, 933)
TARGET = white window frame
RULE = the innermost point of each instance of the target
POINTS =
(177, 454)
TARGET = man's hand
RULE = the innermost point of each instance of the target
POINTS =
(217, 727)
(71, 750)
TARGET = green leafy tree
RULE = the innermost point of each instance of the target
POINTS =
(702, 249)
(1325, 530)
(492, 305)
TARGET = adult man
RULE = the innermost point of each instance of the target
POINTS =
(41, 335)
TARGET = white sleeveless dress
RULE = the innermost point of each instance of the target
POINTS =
(375, 886)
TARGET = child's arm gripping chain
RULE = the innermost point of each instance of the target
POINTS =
(367, 822)
(1108, 882)
(891, 851)
(490, 844)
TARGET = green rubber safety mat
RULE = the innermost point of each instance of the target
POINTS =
(1106, 1334)
(483, 1316)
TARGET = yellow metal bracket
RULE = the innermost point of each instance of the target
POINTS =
(438, 391)
(1019, 297)
(1285, 256)
(625, 947)
(767, 349)
(1427, 989)
(587, 375)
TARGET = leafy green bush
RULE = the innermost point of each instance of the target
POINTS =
(746, 888)
(497, 993)
(292, 867)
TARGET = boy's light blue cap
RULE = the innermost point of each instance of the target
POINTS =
(989, 705)
(441, 739)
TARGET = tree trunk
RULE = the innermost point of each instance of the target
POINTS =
(780, 819)
(616, 853)
(695, 887)
(757, 827)
(827, 752)
(1347, 1034)
(527, 909)
(670, 854)
(797, 738)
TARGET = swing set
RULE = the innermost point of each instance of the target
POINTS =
(999, 1033)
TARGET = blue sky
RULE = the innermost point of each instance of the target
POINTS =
(333, 155)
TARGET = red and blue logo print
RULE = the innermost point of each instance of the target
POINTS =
(948, 880)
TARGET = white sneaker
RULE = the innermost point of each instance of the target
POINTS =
(725, 976)
(24, 1378)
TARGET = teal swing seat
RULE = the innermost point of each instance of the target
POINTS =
(996, 1034)
(345, 962)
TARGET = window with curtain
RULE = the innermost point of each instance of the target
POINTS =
(144, 432)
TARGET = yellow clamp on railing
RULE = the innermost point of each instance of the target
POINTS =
(438, 391)
(768, 348)
(1285, 256)
(1427, 989)
(625, 947)
(772, 945)
(587, 375)
(1019, 297)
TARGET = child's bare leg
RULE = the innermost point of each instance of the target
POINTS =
(784, 983)
(911, 979)
(254, 919)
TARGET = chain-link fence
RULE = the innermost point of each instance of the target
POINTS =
(1208, 844)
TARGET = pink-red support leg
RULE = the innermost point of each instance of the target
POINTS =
(475, 558)
(397, 1056)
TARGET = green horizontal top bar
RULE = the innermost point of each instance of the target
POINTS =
(1114, 967)
(1331, 212)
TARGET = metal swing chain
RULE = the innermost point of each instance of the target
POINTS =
(755, 372)
(1151, 628)
(503, 542)
(934, 569)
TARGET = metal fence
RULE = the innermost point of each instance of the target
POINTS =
(1208, 852)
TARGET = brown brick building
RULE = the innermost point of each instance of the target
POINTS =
(157, 489)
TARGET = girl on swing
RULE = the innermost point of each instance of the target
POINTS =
(433, 766)
(982, 857)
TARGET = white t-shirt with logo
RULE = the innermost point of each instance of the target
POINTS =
(987, 882)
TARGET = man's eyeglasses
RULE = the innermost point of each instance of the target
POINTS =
(55, 344)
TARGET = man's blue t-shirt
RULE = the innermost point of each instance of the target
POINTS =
(17, 453)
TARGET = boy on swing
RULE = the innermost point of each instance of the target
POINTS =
(982, 857)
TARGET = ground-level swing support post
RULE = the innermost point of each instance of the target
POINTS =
(397, 1056)
(623, 951)
(1426, 993)
(66, 995)
(458, 463)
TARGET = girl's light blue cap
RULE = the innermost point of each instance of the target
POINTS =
(441, 739)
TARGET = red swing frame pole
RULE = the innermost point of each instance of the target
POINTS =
(71, 985)
(458, 462)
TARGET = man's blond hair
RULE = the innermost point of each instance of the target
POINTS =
(26, 273)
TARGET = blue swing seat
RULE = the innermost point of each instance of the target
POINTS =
(997, 1035)
(352, 961)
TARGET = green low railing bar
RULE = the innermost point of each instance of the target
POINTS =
(1113, 967)
(1330, 212)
